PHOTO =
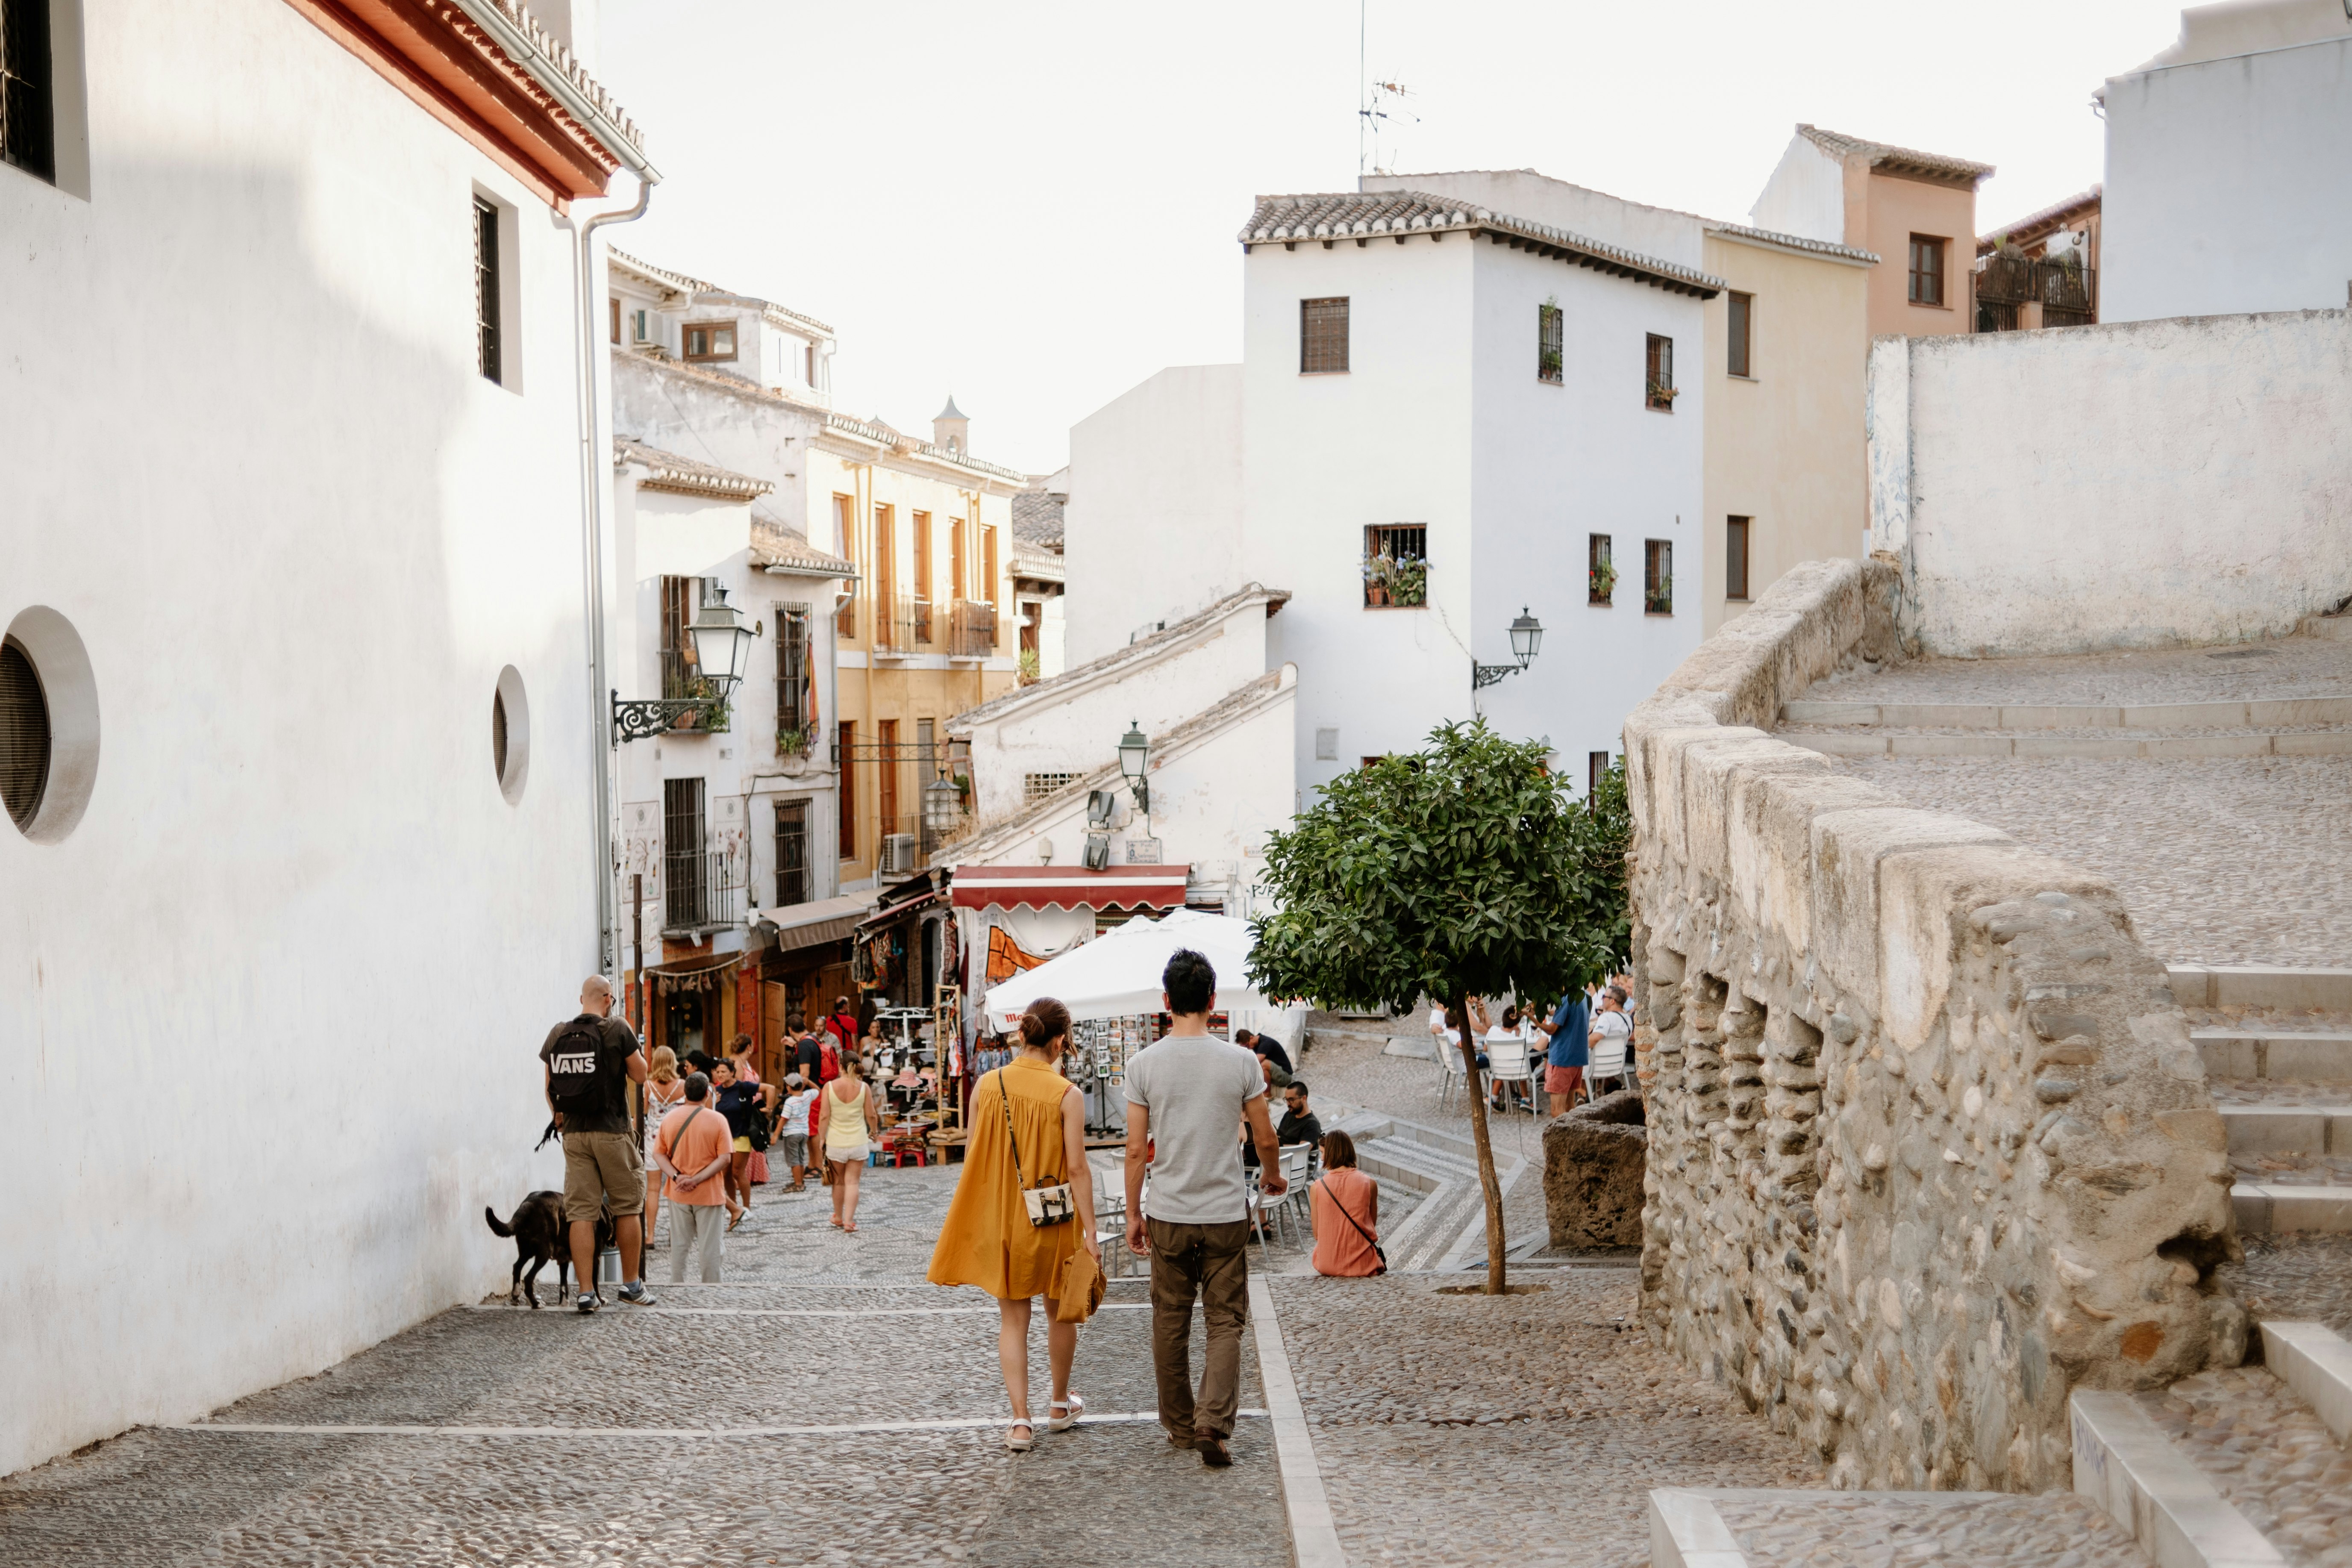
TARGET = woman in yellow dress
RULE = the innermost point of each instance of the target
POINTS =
(987, 1239)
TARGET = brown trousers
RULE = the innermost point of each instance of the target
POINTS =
(1209, 1262)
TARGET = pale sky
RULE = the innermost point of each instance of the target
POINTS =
(1034, 206)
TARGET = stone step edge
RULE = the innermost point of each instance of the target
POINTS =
(2261, 985)
(2316, 1361)
(2334, 707)
(1688, 1532)
(2268, 1208)
(2154, 748)
(2288, 1128)
(2125, 1463)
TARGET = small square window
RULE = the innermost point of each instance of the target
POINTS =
(709, 341)
(641, 326)
(1550, 338)
(1322, 337)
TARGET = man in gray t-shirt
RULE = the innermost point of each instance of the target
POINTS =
(1185, 1095)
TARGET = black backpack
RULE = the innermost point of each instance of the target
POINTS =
(575, 1079)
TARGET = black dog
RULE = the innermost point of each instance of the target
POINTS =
(541, 1236)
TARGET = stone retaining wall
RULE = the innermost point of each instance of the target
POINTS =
(1929, 1143)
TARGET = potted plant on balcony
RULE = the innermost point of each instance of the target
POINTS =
(1029, 667)
(1662, 396)
(1601, 582)
(1660, 600)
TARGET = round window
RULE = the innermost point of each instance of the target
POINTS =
(510, 734)
(49, 725)
(23, 735)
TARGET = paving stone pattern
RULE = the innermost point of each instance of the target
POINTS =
(2295, 1278)
(2290, 667)
(1844, 1530)
(866, 1343)
(1526, 1429)
(2265, 1451)
(2226, 860)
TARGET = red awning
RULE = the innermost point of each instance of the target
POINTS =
(1067, 887)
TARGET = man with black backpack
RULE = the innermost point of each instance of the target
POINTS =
(590, 1063)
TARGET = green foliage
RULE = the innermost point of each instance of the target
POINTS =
(1463, 870)
(1406, 581)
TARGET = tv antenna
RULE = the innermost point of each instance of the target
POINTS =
(1382, 101)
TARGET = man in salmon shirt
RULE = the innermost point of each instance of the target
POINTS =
(693, 1147)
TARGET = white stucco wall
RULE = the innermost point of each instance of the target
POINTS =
(2227, 187)
(1074, 726)
(2134, 485)
(1442, 420)
(268, 1015)
(1805, 194)
(1152, 527)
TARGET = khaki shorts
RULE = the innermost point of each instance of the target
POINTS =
(602, 1173)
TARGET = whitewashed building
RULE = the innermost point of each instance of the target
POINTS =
(2227, 187)
(297, 733)
(1445, 414)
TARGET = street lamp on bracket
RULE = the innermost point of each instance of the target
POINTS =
(1134, 761)
(723, 647)
(1526, 641)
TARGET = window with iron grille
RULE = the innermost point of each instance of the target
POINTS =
(683, 866)
(1035, 787)
(792, 853)
(1658, 388)
(23, 735)
(1550, 338)
(1599, 571)
(1396, 565)
(27, 114)
(1596, 768)
(1322, 336)
(1658, 576)
(490, 349)
(1742, 312)
(1927, 269)
(795, 682)
(709, 340)
(1735, 556)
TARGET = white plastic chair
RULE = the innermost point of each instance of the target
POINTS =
(1509, 1062)
(1610, 1060)
(1296, 1161)
(1450, 1071)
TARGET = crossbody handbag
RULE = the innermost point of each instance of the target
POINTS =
(679, 1141)
(1055, 1204)
(1367, 1235)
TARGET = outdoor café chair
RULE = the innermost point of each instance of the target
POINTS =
(1509, 1062)
(1609, 1061)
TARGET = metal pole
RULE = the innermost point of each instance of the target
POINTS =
(637, 940)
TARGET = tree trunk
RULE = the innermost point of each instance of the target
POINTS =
(1458, 1014)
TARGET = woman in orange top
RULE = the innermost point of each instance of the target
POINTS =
(987, 1239)
(1347, 1213)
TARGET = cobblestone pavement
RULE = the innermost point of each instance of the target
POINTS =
(2269, 1454)
(2295, 1277)
(2290, 667)
(508, 1452)
(2220, 860)
(1844, 1530)
(1468, 1429)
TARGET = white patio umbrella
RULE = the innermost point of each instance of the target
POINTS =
(1118, 973)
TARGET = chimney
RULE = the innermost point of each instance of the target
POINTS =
(951, 430)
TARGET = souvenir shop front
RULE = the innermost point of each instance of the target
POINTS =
(904, 963)
(1011, 918)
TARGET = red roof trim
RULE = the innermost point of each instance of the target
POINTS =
(1069, 888)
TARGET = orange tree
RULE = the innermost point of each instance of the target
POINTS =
(1462, 871)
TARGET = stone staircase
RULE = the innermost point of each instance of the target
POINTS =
(2236, 1469)
(2282, 1081)
(2281, 727)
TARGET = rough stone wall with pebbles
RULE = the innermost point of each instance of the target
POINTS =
(1929, 1144)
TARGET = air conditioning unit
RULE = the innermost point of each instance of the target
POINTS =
(1098, 851)
(899, 854)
